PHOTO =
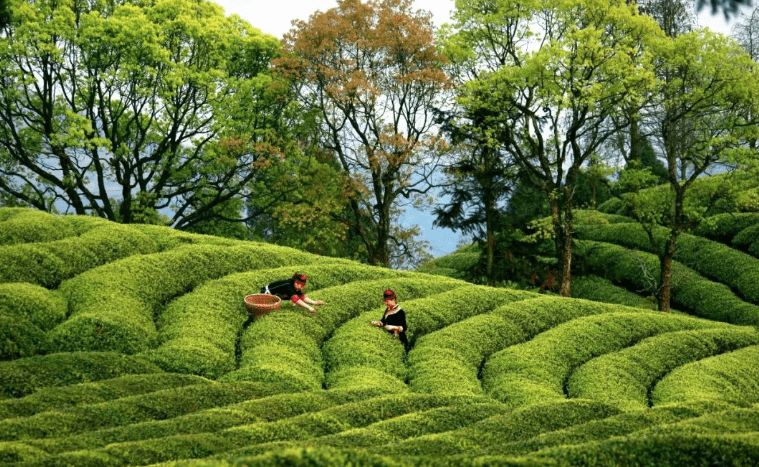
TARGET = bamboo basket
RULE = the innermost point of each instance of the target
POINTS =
(261, 304)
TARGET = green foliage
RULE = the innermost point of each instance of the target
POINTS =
(39, 306)
(66, 397)
(24, 376)
(626, 378)
(158, 405)
(21, 225)
(535, 371)
(112, 307)
(723, 227)
(711, 259)
(494, 376)
(692, 292)
(603, 290)
(20, 338)
(731, 377)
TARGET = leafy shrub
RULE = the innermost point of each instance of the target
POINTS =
(603, 290)
(659, 450)
(723, 227)
(20, 338)
(112, 307)
(31, 225)
(625, 378)
(516, 425)
(26, 375)
(157, 405)
(711, 259)
(622, 424)
(535, 371)
(689, 290)
(43, 308)
(60, 398)
(298, 337)
(732, 377)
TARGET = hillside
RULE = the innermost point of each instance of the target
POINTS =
(129, 345)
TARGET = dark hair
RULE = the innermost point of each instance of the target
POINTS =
(388, 294)
(299, 277)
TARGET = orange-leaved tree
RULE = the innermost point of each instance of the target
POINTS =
(372, 71)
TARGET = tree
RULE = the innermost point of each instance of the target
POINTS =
(373, 72)
(746, 33)
(121, 108)
(479, 180)
(566, 68)
(702, 110)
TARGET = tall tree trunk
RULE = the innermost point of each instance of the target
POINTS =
(490, 241)
(562, 229)
(665, 273)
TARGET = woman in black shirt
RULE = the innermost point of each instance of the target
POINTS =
(292, 289)
(394, 318)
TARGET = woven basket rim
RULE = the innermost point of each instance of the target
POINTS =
(262, 301)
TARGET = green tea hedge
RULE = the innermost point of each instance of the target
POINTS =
(24, 376)
(156, 405)
(732, 377)
(61, 398)
(689, 290)
(450, 360)
(113, 306)
(626, 378)
(286, 345)
(517, 425)
(709, 258)
(603, 290)
(43, 308)
(536, 371)
(20, 338)
(623, 424)
(20, 225)
(359, 344)
(723, 227)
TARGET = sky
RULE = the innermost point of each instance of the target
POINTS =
(275, 17)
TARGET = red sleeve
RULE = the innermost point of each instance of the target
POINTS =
(295, 298)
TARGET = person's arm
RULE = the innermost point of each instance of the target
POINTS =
(312, 302)
(299, 300)
(400, 322)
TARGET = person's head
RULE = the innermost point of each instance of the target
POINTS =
(299, 280)
(389, 298)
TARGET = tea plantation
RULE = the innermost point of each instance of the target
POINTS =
(129, 345)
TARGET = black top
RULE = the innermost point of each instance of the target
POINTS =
(396, 319)
(284, 289)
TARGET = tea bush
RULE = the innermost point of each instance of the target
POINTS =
(710, 259)
(622, 424)
(732, 377)
(603, 290)
(517, 425)
(156, 405)
(24, 376)
(19, 225)
(449, 360)
(625, 378)
(60, 398)
(259, 357)
(689, 290)
(723, 227)
(535, 371)
(113, 306)
(43, 308)
(20, 338)
(67, 257)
